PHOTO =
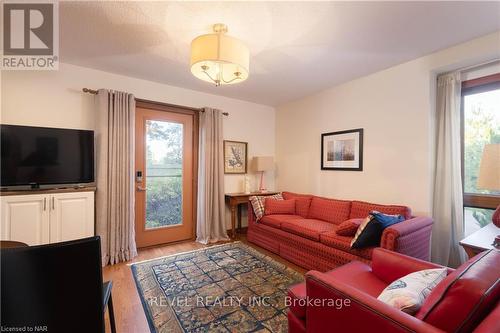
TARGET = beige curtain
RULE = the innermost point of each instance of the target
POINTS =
(211, 226)
(448, 228)
(115, 125)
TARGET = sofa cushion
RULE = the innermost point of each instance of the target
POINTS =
(258, 204)
(329, 210)
(355, 273)
(302, 202)
(274, 207)
(361, 209)
(360, 276)
(276, 220)
(348, 227)
(370, 231)
(463, 299)
(343, 243)
(408, 293)
(308, 228)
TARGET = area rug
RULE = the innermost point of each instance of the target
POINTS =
(224, 288)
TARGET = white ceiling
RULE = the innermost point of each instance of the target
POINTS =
(297, 48)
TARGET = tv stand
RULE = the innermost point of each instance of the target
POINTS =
(42, 216)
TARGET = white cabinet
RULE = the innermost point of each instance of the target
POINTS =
(47, 218)
(25, 218)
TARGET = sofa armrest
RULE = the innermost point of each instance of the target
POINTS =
(411, 237)
(251, 215)
(389, 266)
(323, 291)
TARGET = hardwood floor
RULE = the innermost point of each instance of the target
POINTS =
(129, 314)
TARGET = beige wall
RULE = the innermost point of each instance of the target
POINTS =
(396, 109)
(55, 99)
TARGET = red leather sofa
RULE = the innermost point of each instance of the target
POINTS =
(467, 300)
(309, 239)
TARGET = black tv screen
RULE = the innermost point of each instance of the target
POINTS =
(46, 156)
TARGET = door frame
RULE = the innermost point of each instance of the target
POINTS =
(165, 107)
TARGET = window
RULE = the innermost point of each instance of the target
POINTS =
(480, 126)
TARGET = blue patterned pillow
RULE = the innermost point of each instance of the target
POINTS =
(370, 231)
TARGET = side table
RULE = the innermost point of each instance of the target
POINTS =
(235, 200)
(480, 240)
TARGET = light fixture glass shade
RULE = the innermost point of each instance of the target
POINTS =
(219, 59)
(489, 170)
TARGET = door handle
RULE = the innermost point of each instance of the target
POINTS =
(44, 204)
(141, 189)
(53, 204)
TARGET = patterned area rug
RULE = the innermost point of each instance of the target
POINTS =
(223, 288)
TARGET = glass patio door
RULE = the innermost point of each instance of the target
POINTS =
(163, 176)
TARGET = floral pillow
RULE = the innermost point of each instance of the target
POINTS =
(258, 204)
(409, 292)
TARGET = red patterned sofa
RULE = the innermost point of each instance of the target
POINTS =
(309, 240)
(467, 300)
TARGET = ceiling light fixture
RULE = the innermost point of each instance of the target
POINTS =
(219, 58)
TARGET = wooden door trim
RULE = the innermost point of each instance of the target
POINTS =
(160, 106)
(165, 107)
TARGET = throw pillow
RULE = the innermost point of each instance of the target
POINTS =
(273, 206)
(370, 231)
(409, 292)
(258, 204)
(349, 227)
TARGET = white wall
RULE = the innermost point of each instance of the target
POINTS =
(55, 99)
(396, 109)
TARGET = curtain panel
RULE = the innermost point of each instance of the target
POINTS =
(448, 228)
(211, 226)
(115, 151)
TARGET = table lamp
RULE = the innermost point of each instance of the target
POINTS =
(489, 174)
(262, 164)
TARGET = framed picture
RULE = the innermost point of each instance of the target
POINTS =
(235, 157)
(342, 150)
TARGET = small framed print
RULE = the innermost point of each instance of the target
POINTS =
(235, 157)
(342, 150)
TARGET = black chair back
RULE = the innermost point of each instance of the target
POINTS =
(55, 287)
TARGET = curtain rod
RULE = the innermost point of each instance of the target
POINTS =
(94, 92)
(468, 68)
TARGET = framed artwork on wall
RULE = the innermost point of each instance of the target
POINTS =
(235, 157)
(342, 150)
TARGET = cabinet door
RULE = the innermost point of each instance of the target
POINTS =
(71, 216)
(25, 218)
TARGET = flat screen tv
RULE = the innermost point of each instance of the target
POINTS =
(44, 157)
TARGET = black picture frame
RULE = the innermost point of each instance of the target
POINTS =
(357, 133)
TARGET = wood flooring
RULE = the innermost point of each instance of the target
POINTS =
(129, 313)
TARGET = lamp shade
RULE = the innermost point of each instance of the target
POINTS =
(489, 170)
(219, 58)
(263, 163)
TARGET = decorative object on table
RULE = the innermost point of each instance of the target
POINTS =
(263, 164)
(342, 150)
(218, 58)
(247, 185)
(489, 174)
(235, 157)
(496, 242)
(195, 279)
